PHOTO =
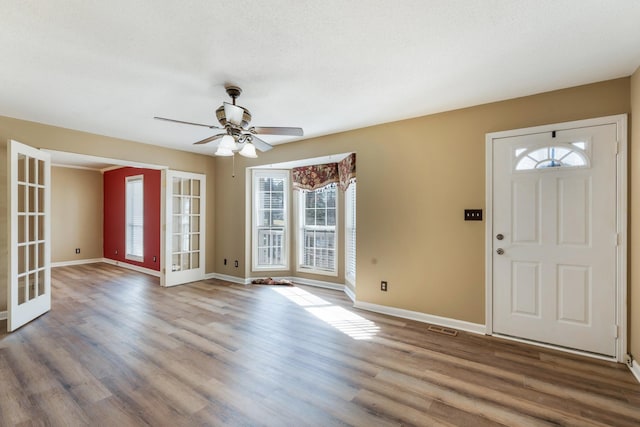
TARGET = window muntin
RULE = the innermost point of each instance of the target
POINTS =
(270, 241)
(350, 233)
(317, 236)
(555, 156)
(134, 218)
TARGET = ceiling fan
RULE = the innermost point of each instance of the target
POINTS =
(238, 136)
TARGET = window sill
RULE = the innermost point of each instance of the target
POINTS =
(134, 258)
(271, 268)
(306, 270)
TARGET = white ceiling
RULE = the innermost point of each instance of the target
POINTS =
(108, 67)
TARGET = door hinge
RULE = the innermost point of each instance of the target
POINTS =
(616, 331)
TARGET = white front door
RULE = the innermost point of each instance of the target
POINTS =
(555, 237)
(29, 293)
(185, 220)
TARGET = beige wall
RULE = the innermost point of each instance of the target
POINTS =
(415, 178)
(76, 214)
(634, 223)
(55, 138)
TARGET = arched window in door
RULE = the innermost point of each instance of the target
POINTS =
(572, 155)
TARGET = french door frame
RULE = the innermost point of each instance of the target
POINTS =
(34, 208)
(168, 277)
(621, 223)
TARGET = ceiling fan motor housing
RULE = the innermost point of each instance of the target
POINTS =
(246, 116)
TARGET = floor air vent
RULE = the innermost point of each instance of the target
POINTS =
(444, 331)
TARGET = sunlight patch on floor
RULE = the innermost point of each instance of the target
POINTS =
(347, 322)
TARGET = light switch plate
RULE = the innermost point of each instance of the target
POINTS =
(473, 214)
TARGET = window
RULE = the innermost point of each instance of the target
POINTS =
(561, 156)
(350, 233)
(317, 237)
(270, 240)
(134, 217)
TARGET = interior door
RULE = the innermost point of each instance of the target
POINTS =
(185, 228)
(29, 293)
(555, 238)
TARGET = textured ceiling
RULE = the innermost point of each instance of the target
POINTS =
(108, 67)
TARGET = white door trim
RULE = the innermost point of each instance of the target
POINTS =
(621, 216)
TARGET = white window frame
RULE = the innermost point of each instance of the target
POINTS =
(580, 149)
(301, 237)
(127, 219)
(350, 210)
(277, 174)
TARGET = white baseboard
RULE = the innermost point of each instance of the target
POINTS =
(3, 315)
(297, 280)
(76, 262)
(317, 283)
(232, 279)
(475, 328)
(107, 261)
(350, 293)
(132, 267)
(635, 369)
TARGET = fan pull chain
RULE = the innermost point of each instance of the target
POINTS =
(233, 172)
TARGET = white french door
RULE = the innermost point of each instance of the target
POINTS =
(29, 290)
(556, 236)
(185, 196)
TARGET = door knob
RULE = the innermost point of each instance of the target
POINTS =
(500, 237)
(500, 251)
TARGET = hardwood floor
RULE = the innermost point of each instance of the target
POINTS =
(116, 349)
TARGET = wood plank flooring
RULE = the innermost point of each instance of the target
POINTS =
(117, 349)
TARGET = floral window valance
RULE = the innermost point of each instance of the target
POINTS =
(347, 171)
(310, 178)
(315, 177)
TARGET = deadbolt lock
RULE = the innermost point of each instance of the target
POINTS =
(500, 237)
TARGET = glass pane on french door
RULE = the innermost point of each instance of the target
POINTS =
(186, 219)
(31, 236)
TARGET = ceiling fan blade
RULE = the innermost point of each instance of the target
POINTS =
(260, 144)
(211, 138)
(271, 130)
(233, 113)
(187, 123)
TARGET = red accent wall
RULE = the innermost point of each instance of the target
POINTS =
(114, 216)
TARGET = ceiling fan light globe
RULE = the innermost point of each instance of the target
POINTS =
(249, 150)
(224, 152)
(228, 143)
